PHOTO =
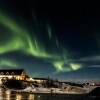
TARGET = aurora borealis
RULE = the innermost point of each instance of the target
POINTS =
(47, 44)
(20, 40)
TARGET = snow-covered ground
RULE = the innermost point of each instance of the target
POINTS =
(67, 89)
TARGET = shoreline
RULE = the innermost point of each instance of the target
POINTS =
(53, 93)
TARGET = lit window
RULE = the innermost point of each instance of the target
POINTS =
(18, 77)
(9, 77)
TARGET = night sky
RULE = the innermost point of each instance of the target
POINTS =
(59, 40)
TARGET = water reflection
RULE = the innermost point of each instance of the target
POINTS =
(31, 97)
(9, 95)
(18, 97)
(1, 94)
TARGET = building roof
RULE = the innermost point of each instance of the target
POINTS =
(11, 71)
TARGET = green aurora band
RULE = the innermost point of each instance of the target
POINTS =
(22, 41)
(9, 63)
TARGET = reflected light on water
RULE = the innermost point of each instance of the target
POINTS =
(18, 97)
(0, 91)
(1, 94)
(31, 97)
(8, 95)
